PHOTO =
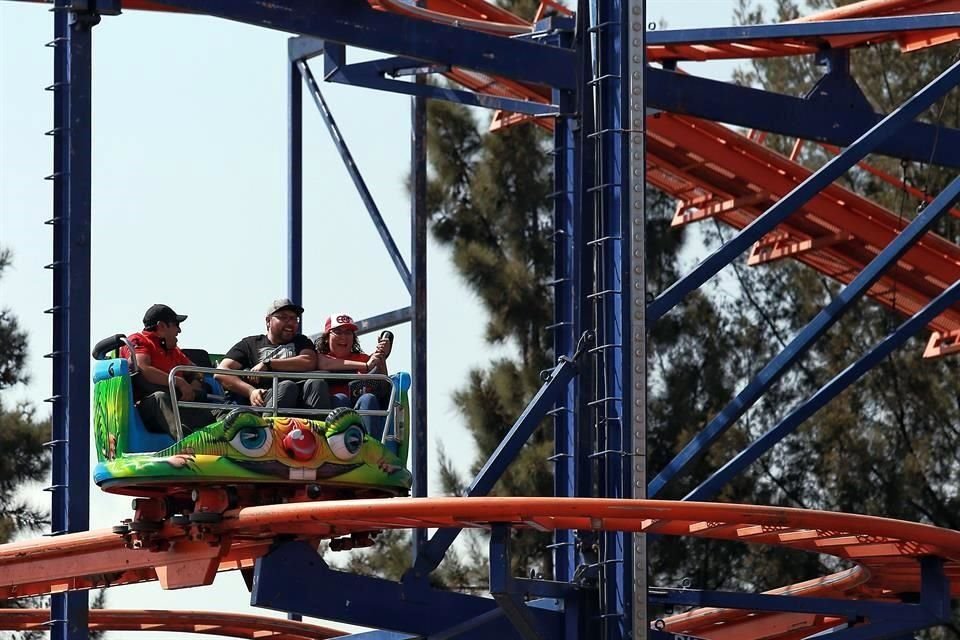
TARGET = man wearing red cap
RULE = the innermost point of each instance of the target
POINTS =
(157, 353)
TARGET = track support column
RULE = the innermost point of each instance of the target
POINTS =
(294, 182)
(70, 445)
(634, 302)
(418, 301)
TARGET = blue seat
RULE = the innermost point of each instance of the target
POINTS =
(115, 414)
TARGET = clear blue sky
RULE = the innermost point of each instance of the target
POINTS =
(189, 193)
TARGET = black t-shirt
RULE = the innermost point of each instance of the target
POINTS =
(255, 349)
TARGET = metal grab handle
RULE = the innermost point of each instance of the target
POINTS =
(116, 341)
(276, 376)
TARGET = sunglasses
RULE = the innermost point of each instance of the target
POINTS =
(341, 331)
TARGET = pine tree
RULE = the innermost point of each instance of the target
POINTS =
(24, 458)
(489, 204)
(22, 435)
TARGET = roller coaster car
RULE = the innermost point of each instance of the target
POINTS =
(247, 457)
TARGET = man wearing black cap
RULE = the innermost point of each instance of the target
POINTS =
(158, 353)
(282, 348)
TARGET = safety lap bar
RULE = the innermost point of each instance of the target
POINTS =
(275, 376)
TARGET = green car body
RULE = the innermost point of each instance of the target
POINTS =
(244, 448)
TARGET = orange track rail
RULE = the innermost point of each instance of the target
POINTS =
(234, 625)
(886, 552)
(729, 624)
(714, 172)
(94, 559)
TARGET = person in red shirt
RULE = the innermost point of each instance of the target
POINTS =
(339, 351)
(157, 354)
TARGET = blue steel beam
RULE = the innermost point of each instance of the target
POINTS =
(380, 635)
(431, 554)
(356, 23)
(384, 320)
(584, 215)
(803, 30)
(502, 588)
(72, 324)
(805, 339)
(294, 183)
(935, 591)
(61, 604)
(372, 75)
(304, 47)
(710, 487)
(418, 302)
(790, 203)
(618, 244)
(565, 301)
(279, 579)
(885, 630)
(355, 175)
(833, 114)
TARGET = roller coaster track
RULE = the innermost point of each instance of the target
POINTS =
(233, 625)
(716, 173)
(885, 553)
(691, 160)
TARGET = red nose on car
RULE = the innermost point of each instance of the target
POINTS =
(300, 445)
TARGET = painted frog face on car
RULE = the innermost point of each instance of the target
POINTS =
(291, 448)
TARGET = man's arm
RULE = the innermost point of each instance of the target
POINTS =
(306, 360)
(238, 385)
(233, 383)
(158, 377)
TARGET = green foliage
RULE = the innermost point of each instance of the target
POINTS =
(22, 435)
(489, 203)
(24, 458)
(13, 340)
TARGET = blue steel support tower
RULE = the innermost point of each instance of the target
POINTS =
(599, 76)
(618, 29)
(70, 442)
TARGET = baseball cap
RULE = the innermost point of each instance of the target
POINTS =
(283, 303)
(339, 320)
(161, 313)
